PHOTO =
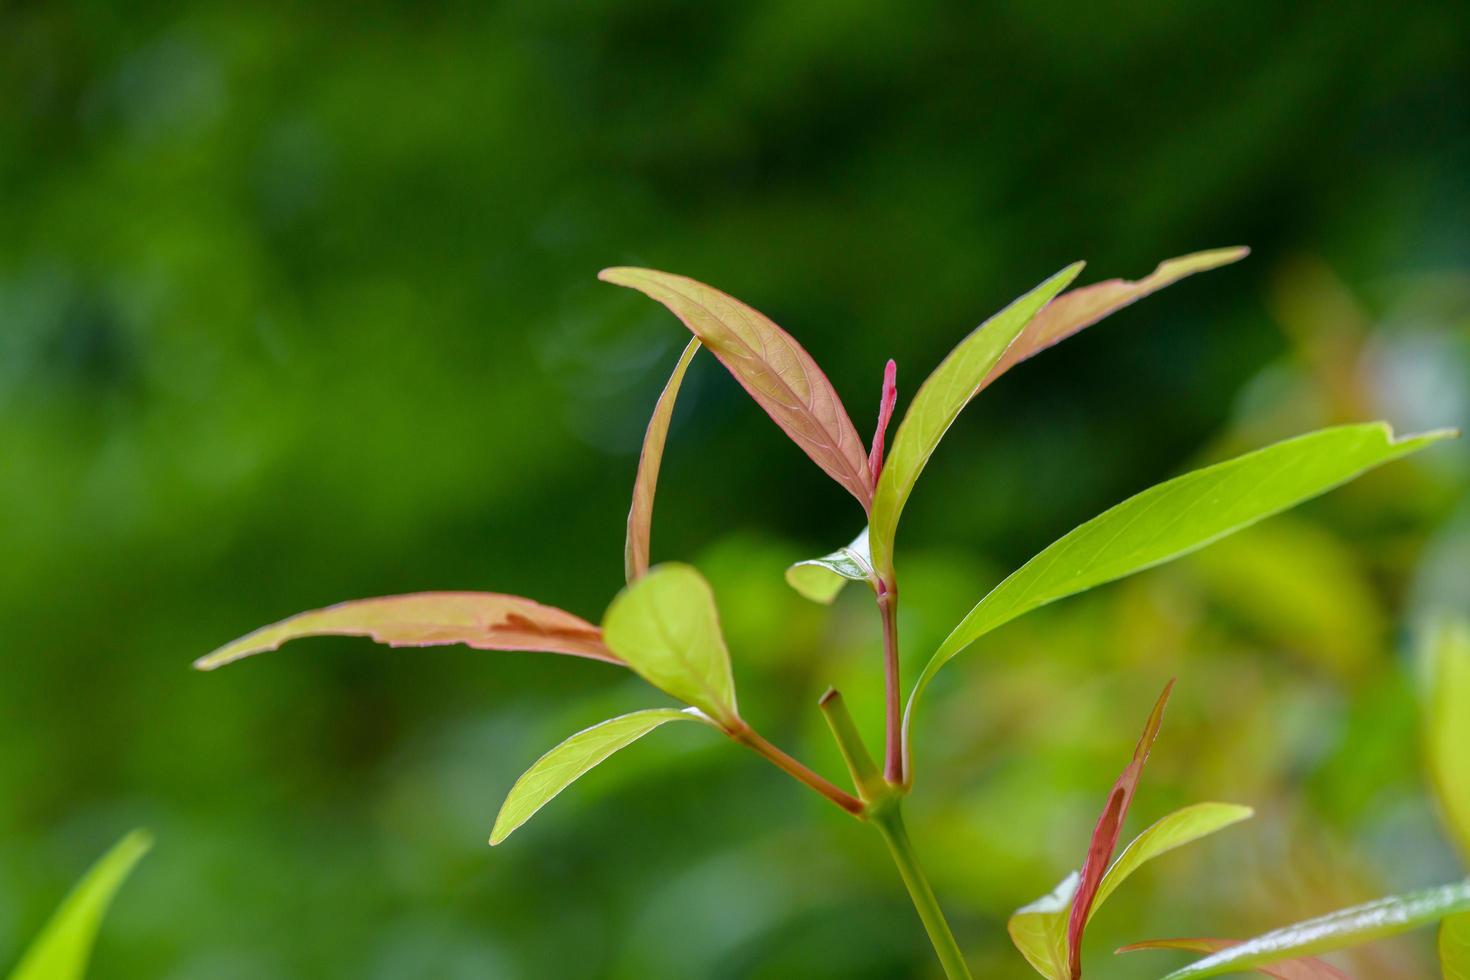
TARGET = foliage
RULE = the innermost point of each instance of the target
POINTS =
(665, 625)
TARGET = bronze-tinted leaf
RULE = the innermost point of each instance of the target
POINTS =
(483, 620)
(1307, 968)
(1105, 834)
(768, 362)
(1081, 308)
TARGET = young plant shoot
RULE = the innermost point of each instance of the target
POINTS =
(664, 626)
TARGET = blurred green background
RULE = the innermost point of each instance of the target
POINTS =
(298, 305)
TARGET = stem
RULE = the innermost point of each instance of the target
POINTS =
(749, 737)
(860, 764)
(893, 716)
(889, 822)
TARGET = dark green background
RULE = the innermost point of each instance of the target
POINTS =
(299, 304)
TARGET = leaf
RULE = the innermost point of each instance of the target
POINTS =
(768, 362)
(666, 627)
(483, 620)
(1181, 827)
(938, 403)
(1175, 518)
(64, 945)
(1105, 834)
(1448, 725)
(1336, 930)
(1307, 968)
(1039, 930)
(1302, 589)
(1454, 947)
(1073, 311)
(886, 401)
(820, 579)
(640, 515)
(569, 761)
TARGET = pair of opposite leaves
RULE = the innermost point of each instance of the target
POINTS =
(1049, 931)
(665, 626)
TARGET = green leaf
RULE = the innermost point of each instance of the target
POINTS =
(565, 764)
(1079, 308)
(640, 515)
(1337, 930)
(64, 946)
(1448, 725)
(1454, 947)
(938, 403)
(666, 627)
(1175, 518)
(483, 620)
(820, 579)
(1039, 930)
(768, 362)
(1181, 827)
(1307, 968)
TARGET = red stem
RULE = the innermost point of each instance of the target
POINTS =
(893, 729)
(749, 737)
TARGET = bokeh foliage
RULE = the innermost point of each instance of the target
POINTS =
(299, 305)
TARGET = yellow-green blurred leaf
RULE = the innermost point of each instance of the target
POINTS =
(64, 946)
(1302, 589)
(1448, 725)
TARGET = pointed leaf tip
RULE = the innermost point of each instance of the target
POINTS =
(1080, 308)
(770, 364)
(1105, 834)
(482, 620)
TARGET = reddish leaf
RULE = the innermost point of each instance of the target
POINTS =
(640, 515)
(768, 362)
(1105, 834)
(885, 415)
(483, 620)
(1080, 308)
(1306, 968)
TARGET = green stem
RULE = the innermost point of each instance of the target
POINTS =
(889, 822)
(865, 774)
